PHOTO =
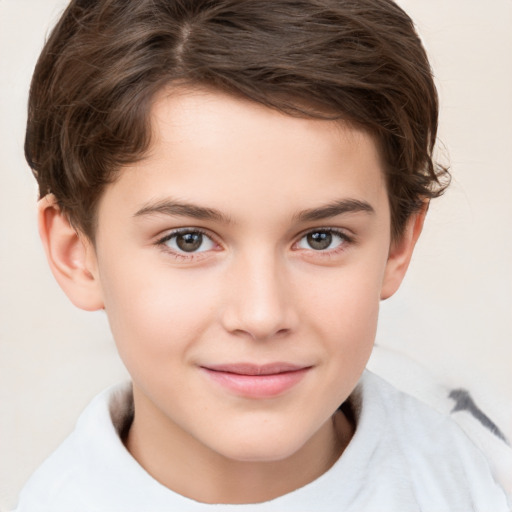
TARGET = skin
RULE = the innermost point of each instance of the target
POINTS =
(255, 182)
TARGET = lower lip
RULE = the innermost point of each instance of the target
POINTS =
(257, 386)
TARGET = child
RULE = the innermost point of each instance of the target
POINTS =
(238, 184)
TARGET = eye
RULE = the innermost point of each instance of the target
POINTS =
(188, 241)
(323, 240)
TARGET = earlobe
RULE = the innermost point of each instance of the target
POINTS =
(400, 254)
(71, 256)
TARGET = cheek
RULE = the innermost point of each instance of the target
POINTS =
(346, 295)
(345, 310)
(350, 326)
(154, 315)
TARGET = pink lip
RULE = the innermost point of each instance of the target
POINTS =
(257, 381)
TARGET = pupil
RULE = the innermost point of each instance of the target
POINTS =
(320, 240)
(189, 242)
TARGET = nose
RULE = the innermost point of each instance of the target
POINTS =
(260, 301)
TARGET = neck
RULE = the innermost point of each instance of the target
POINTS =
(188, 467)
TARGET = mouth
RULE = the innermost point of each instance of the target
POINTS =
(256, 381)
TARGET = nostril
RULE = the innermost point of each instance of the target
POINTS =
(261, 334)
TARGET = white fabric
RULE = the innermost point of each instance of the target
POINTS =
(413, 378)
(403, 457)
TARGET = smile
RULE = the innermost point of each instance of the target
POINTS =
(255, 381)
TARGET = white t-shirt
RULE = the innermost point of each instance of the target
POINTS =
(403, 457)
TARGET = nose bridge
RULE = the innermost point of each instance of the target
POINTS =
(260, 303)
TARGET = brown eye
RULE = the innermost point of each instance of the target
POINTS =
(325, 240)
(189, 242)
(319, 240)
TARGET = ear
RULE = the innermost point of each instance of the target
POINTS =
(400, 254)
(71, 256)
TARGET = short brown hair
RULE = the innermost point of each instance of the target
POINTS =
(354, 60)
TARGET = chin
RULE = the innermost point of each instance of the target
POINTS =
(262, 446)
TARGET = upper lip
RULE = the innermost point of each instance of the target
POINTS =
(256, 369)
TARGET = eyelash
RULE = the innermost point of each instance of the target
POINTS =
(184, 256)
(346, 240)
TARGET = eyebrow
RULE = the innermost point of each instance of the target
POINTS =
(334, 209)
(181, 209)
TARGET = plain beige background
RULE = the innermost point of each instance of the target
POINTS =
(453, 314)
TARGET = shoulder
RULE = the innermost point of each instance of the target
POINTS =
(61, 482)
(405, 421)
(426, 447)
(481, 412)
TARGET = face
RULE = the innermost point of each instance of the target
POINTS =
(241, 265)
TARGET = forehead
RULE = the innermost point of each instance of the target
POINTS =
(208, 117)
(231, 154)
